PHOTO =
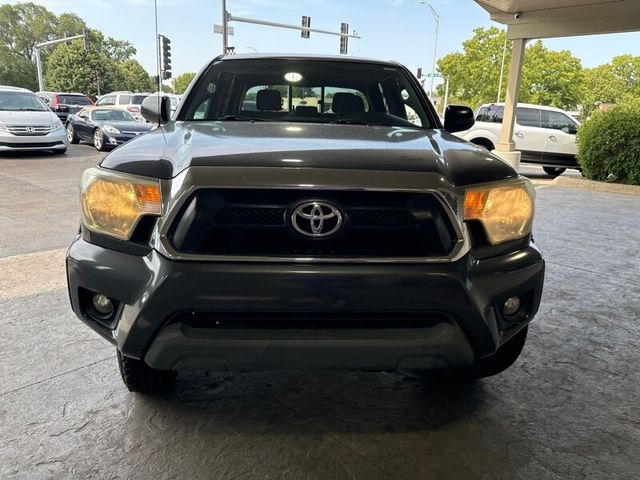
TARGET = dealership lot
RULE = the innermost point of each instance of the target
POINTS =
(567, 409)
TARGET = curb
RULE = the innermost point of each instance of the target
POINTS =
(597, 186)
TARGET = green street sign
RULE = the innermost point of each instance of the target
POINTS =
(433, 75)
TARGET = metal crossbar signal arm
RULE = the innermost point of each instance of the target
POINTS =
(305, 29)
(85, 39)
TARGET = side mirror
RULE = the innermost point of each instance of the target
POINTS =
(156, 109)
(458, 118)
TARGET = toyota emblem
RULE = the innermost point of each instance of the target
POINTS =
(316, 219)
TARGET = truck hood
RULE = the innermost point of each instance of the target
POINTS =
(165, 152)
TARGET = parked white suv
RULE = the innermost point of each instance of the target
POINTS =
(129, 100)
(545, 135)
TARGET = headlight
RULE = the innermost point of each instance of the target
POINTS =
(3, 127)
(56, 126)
(113, 203)
(110, 129)
(506, 212)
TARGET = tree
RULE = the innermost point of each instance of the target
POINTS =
(118, 50)
(24, 25)
(548, 77)
(611, 82)
(72, 69)
(135, 77)
(16, 70)
(551, 77)
(182, 81)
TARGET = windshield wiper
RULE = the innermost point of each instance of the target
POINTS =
(29, 110)
(240, 118)
(351, 122)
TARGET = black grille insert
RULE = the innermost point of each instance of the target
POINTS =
(309, 320)
(257, 222)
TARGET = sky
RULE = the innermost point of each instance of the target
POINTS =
(401, 30)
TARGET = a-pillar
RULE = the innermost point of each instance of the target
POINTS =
(506, 148)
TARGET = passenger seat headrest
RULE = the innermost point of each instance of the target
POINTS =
(270, 100)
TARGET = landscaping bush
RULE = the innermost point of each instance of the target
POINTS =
(609, 144)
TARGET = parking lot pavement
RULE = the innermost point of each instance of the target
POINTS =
(567, 409)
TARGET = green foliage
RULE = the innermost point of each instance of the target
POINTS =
(67, 67)
(134, 77)
(548, 77)
(611, 82)
(182, 81)
(17, 71)
(609, 143)
(474, 73)
(551, 77)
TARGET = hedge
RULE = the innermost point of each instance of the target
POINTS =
(609, 144)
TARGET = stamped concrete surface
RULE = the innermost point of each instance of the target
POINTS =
(567, 409)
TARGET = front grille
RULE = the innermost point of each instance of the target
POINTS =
(28, 130)
(257, 222)
(30, 144)
(309, 320)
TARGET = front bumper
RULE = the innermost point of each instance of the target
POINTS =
(52, 141)
(257, 316)
(118, 139)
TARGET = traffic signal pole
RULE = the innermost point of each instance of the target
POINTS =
(84, 35)
(228, 17)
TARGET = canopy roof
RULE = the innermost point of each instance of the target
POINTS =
(563, 18)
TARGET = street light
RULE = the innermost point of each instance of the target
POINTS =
(436, 17)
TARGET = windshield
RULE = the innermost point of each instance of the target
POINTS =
(74, 100)
(314, 91)
(21, 101)
(112, 115)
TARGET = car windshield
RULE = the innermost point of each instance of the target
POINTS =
(317, 91)
(74, 100)
(112, 115)
(21, 101)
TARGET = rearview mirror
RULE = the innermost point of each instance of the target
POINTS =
(458, 118)
(156, 109)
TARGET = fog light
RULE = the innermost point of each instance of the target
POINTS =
(511, 306)
(102, 304)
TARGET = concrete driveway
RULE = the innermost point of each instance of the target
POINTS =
(567, 409)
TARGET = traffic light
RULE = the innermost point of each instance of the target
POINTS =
(306, 23)
(85, 38)
(419, 75)
(166, 57)
(344, 40)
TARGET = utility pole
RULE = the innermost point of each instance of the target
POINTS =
(436, 17)
(225, 27)
(84, 35)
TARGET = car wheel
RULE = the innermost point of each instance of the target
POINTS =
(554, 171)
(98, 140)
(71, 134)
(496, 363)
(140, 377)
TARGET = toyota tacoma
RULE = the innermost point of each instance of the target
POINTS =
(305, 212)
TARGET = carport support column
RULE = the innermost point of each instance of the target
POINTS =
(506, 148)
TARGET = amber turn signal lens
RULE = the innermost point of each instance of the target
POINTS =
(506, 212)
(113, 203)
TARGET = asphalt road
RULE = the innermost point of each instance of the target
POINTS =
(567, 409)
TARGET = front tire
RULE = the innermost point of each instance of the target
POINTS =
(98, 140)
(554, 171)
(504, 357)
(140, 377)
(71, 134)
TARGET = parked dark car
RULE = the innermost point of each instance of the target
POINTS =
(106, 127)
(64, 104)
(335, 224)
